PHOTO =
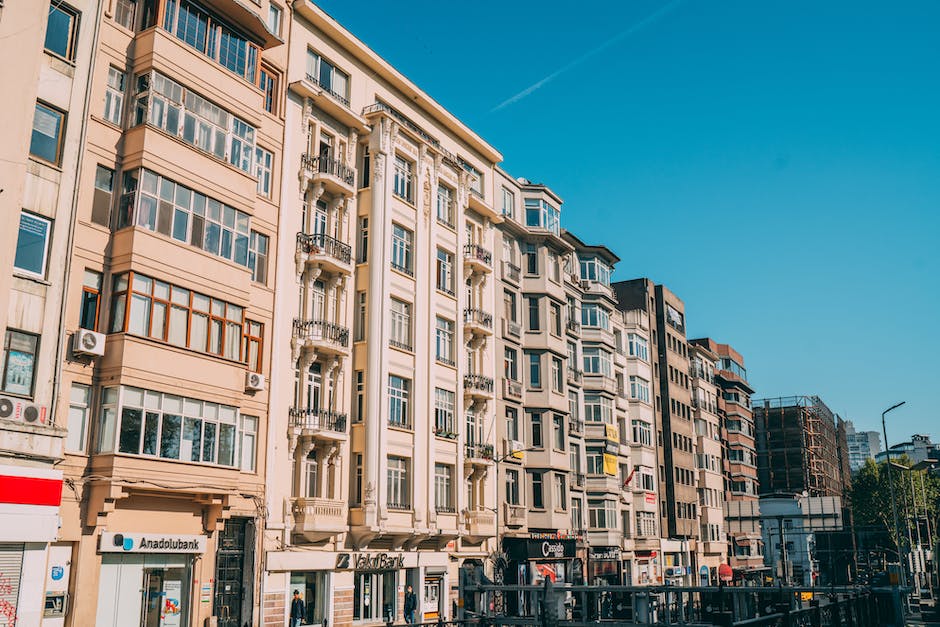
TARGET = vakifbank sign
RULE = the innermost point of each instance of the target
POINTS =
(151, 543)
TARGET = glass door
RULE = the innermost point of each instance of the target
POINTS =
(163, 598)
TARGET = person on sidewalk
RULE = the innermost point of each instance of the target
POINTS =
(298, 611)
(411, 604)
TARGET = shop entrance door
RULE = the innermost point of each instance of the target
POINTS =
(163, 597)
(234, 568)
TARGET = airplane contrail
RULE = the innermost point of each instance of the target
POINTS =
(649, 19)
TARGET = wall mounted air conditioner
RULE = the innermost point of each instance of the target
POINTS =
(21, 410)
(254, 381)
(85, 342)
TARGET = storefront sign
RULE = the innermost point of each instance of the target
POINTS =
(651, 497)
(525, 548)
(604, 553)
(151, 543)
(364, 561)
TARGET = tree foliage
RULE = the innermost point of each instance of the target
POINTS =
(870, 498)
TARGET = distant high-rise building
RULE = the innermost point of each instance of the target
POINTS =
(862, 445)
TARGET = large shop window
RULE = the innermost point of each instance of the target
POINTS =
(153, 424)
(375, 596)
(201, 31)
(156, 203)
(169, 106)
(146, 307)
(315, 591)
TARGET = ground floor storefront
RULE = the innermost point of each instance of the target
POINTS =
(365, 587)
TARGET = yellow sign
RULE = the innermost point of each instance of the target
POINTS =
(610, 465)
(806, 596)
(612, 432)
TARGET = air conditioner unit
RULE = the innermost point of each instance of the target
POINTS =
(85, 342)
(21, 410)
(254, 381)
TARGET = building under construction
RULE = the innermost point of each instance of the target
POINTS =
(801, 447)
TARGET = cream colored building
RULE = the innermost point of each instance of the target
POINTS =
(383, 399)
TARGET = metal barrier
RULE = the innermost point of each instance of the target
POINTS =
(551, 605)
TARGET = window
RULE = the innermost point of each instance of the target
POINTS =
(359, 402)
(32, 245)
(444, 488)
(398, 493)
(509, 305)
(402, 185)
(125, 13)
(169, 426)
(554, 322)
(400, 320)
(444, 402)
(101, 200)
(639, 389)
(248, 439)
(165, 104)
(402, 258)
(592, 315)
(510, 367)
(512, 487)
(264, 161)
(444, 336)
(114, 96)
(535, 419)
(595, 461)
(558, 377)
(638, 346)
(329, 77)
(512, 424)
(445, 271)
(398, 407)
(597, 408)
(540, 214)
(532, 306)
(597, 361)
(445, 206)
(91, 299)
(509, 203)
(577, 519)
(531, 255)
(593, 269)
(363, 239)
(46, 140)
(258, 257)
(202, 32)
(646, 524)
(602, 514)
(61, 31)
(147, 307)
(79, 406)
(554, 267)
(558, 428)
(561, 492)
(359, 322)
(274, 19)
(538, 494)
(573, 412)
(254, 339)
(642, 433)
(535, 371)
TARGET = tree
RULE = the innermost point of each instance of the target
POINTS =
(870, 500)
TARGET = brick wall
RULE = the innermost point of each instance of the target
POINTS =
(274, 609)
(342, 608)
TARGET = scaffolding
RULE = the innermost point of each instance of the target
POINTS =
(798, 447)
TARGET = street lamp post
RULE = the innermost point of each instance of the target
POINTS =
(894, 509)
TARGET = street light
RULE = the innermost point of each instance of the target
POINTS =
(894, 505)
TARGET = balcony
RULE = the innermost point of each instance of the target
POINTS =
(480, 524)
(512, 273)
(477, 322)
(477, 386)
(479, 454)
(320, 424)
(321, 251)
(327, 100)
(320, 336)
(477, 259)
(511, 329)
(573, 327)
(515, 515)
(575, 426)
(512, 389)
(575, 376)
(317, 519)
(337, 177)
(578, 480)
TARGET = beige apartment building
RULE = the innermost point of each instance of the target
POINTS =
(381, 471)
(149, 211)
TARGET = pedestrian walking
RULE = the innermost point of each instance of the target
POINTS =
(411, 604)
(298, 611)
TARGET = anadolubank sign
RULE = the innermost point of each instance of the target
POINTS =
(113, 542)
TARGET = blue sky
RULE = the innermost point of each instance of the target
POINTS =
(776, 164)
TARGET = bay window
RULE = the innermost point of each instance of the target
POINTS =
(203, 32)
(593, 269)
